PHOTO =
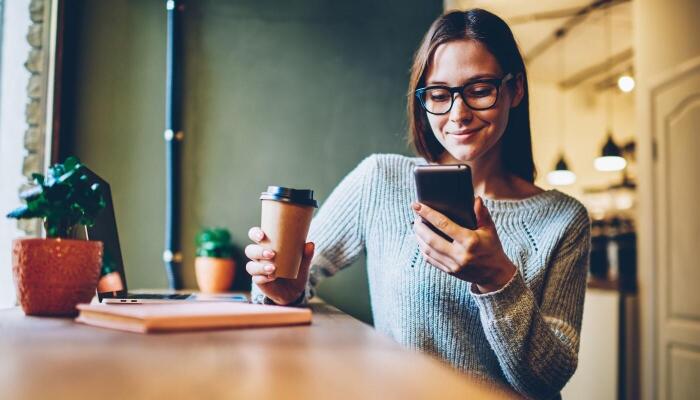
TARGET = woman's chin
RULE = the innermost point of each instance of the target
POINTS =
(463, 155)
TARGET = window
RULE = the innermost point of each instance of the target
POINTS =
(14, 77)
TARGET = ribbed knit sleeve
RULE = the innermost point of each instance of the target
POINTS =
(338, 229)
(536, 343)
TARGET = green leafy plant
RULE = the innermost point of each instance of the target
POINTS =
(214, 242)
(108, 263)
(63, 199)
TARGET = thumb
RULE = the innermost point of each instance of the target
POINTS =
(483, 216)
(308, 255)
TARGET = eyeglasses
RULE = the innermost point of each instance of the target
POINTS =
(478, 95)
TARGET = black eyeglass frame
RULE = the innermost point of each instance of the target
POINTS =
(497, 82)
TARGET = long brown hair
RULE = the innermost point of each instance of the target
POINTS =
(492, 32)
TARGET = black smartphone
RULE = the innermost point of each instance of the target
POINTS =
(447, 189)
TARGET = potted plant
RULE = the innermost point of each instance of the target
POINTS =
(110, 278)
(214, 265)
(55, 273)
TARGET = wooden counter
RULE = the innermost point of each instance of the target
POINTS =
(337, 357)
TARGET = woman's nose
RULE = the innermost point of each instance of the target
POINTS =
(460, 111)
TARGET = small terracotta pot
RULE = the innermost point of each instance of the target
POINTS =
(111, 282)
(214, 275)
(54, 275)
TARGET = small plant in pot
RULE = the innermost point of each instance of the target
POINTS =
(214, 265)
(110, 279)
(55, 273)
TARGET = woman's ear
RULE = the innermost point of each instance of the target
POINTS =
(518, 92)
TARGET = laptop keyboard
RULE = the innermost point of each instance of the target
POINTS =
(154, 296)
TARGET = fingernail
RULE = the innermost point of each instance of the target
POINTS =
(269, 268)
(416, 206)
(268, 254)
(259, 236)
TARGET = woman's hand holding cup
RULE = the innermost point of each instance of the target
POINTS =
(262, 268)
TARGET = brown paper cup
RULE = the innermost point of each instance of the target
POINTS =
(286, 226)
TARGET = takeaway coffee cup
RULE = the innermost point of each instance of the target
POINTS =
(285, 219)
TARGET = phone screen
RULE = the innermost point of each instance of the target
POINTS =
(447, 189)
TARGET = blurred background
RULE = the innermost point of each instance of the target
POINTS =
(296, 93)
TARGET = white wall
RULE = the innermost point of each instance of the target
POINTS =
(597, 373)
(13, 98)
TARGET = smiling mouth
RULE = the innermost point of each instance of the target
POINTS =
(464, 132)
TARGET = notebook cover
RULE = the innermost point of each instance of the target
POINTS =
(145, 318)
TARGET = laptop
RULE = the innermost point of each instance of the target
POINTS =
(112, 287)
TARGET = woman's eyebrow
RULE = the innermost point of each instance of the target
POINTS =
(474, 78)
(436, 83)
(481, 77)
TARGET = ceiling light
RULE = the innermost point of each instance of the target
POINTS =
(609, 163)
(626, 83)
(561, 176)
(611, 157)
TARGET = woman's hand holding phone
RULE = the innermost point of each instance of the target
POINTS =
(475, 256)
(262, 269)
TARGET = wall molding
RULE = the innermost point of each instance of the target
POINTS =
(40, 63)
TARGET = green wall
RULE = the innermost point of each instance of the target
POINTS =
(290, 93)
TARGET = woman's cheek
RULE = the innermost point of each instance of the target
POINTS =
(437, 125)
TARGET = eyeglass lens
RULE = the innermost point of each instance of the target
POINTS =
(479, 96)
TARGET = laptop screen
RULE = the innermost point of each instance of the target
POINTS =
(112, 281)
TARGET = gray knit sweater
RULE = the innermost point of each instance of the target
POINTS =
(525, 335)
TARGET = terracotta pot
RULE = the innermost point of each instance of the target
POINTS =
(111, 282)
(214, 275)
(54, 275)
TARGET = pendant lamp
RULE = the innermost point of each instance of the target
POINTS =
(561, 175)
(610, 158)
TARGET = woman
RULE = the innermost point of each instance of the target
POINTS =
(502, 302)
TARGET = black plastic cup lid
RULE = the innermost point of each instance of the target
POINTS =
(304, 197)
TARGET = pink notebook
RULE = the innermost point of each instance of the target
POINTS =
(145, 318)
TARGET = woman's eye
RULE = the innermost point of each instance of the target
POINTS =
(479, 91)
(438, 96)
